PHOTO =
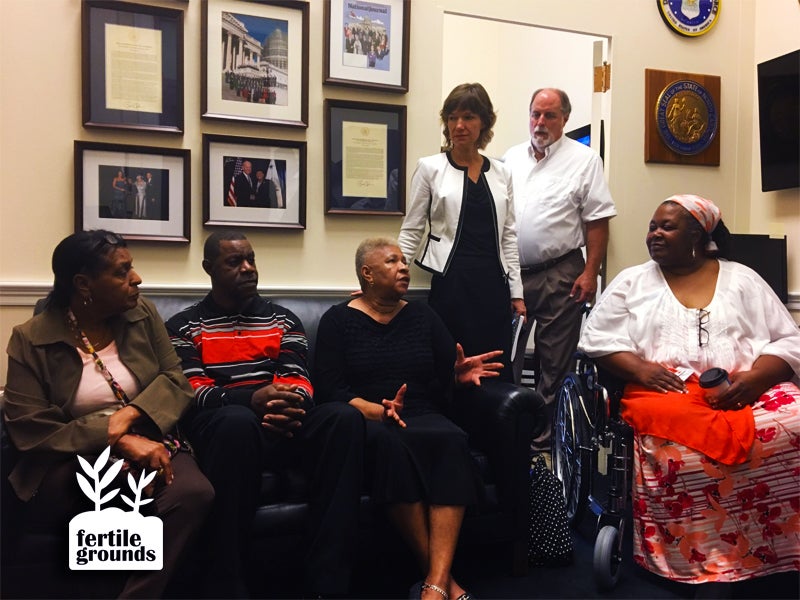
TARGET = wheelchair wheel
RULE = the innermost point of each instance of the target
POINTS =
(607, 557)
(571, 432)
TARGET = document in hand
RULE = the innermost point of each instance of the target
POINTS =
(516, 328)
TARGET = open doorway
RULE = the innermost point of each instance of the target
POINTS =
(512, 59)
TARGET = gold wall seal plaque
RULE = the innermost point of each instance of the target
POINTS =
(686, 117)
(682, 118)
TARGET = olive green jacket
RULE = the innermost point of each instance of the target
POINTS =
(44, 370)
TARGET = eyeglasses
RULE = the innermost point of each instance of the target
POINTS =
(702, 321)
(108, 239)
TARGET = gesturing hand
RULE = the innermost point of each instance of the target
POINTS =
(393, 408)
(280, 408)
(470, 369)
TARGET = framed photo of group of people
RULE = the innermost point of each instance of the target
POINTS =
(255, 66)
(366, 44)
(140, 192)
(255, 61)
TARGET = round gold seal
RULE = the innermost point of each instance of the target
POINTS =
(686, 117)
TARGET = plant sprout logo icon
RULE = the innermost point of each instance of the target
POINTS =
(111, 538)
(93, 492)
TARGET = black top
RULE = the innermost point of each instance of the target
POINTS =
(358, 357)
(478, 238)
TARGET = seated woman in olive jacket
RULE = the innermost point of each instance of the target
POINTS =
(96, 369)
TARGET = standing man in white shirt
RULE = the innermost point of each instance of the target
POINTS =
(562, 204)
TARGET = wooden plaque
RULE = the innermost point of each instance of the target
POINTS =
(678, 132)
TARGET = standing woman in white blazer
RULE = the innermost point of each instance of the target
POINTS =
(460, 226)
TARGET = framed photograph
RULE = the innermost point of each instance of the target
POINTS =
(255, 61)
(140, 192)
(254, 182)
(132, 57)
(365, 158)
(366, 44)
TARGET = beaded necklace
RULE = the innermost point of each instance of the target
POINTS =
(116, 388)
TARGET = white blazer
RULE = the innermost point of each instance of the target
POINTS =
(437, 192)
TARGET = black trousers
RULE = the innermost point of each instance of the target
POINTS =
(233, 448)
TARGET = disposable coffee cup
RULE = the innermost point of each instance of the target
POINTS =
(714, 382)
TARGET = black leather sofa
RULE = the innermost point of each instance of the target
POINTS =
(500, 419)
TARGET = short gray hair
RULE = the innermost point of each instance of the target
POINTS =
(566, 105)
(367, 247)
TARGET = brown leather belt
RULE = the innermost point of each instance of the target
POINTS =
(543, 266)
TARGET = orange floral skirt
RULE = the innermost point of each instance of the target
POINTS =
(696, 520)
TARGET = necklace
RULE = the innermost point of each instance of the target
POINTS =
(116, 388)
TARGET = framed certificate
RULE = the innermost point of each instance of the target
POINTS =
(132, 68)
(365, 158)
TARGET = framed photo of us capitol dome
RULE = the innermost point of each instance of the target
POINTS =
(682, 119)
(255, 61)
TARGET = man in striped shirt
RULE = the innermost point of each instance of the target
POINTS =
(246, 360)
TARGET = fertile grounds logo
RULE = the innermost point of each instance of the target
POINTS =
(113, 539)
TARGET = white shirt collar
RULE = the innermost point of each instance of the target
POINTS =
(551, 148)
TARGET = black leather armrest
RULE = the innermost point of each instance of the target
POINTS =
(495, 408)
(501, 419)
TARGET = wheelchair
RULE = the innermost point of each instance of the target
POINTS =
(589, 438)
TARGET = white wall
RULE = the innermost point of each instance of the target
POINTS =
(775, 213)
(510, 73)
(40, 117)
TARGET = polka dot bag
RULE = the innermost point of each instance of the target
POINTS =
(550, 538)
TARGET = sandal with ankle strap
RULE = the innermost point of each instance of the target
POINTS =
(435, 588)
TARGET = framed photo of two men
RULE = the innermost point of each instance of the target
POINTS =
(254, 182)
(132, 65)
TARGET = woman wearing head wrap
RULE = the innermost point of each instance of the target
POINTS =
(716, 478)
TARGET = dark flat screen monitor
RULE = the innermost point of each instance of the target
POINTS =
(766, 256)
(582, 135)
(779, 121)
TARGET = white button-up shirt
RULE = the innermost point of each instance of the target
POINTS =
(555, 196)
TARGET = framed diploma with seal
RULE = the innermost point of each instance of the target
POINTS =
(682, 118)
(365, 158)
(132, 57)
(689, 18)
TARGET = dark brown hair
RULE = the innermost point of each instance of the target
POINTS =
(472, 97)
